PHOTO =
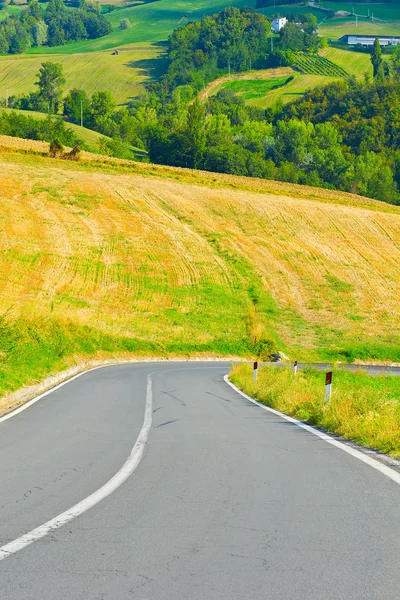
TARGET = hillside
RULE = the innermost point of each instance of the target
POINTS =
(89, 137)
(116, 257)
(123, 75)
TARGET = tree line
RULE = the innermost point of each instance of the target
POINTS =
(54, 25)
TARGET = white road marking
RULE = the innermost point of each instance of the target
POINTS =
(119, 478)
(375, 464)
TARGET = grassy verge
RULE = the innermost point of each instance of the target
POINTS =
(363, 408)
(32, 350)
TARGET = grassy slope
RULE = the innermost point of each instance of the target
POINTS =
(389, 12)
(355, 63)
(123, 75)
(363, 408)
(293, 90)
(88, 136)
(336, 28)
(179, 262)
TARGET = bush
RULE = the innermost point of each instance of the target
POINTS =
(56, 149)
(125, 24)
(74, 154)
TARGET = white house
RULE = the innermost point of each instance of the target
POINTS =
(278, 24)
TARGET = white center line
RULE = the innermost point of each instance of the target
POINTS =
(108, 488)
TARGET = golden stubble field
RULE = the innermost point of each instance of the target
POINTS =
(167, 255)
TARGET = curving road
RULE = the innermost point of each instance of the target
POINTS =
(230, 501)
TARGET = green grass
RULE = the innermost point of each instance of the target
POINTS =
(250, 89)
(36, 348)
(123, 75)
(336, 28)
(289, 9)
(363, 408)
(389, 12)
(355, 63)
(293, 90)
(152, 22)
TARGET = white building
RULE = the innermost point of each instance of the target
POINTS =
(369, 40)
(278, 24)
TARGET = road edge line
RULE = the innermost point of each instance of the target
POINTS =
(127, 469)
(375, 464)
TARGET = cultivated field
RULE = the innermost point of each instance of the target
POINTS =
(283, 84)
(355, 63)
(252, 82)
(163, 261)
(123, 75)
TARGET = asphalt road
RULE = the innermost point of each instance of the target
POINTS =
(230, 502)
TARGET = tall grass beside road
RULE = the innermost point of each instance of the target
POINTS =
(363, 408)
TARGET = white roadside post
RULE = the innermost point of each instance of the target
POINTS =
(295, 367)
(255, 371)
(328, 386)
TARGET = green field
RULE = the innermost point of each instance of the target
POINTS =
(355, 63)
(293, 90)
(388, 12)
(123, 75)
(289, 9)
(152, 22)
(336, 28)
(339, 26)
(266, 93)
(250, 89)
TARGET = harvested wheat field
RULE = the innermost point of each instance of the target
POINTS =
(126, 257)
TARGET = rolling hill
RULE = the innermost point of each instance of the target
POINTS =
(106, 257)
(123, 75)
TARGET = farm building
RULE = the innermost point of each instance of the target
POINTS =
(278, 24)
(368, 40)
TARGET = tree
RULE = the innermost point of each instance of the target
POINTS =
(395, 61)
(374, 178)
(102, 107)
(77, 105)
(376, 59)
(50, 83)
(196, 133)
(39, 32)
(125, 24)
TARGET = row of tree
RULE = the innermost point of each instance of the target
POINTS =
(53, 26)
